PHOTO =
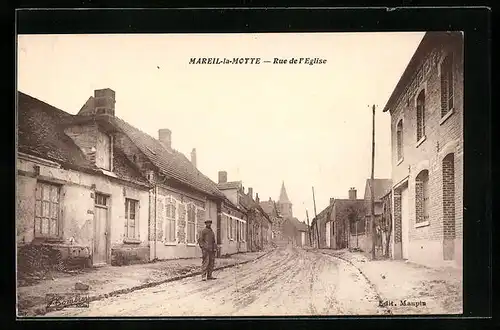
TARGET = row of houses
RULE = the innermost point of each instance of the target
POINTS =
(93, 186)
(419, 210)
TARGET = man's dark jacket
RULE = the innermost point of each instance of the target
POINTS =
(207, 240)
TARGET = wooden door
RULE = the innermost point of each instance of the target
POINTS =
(100, 250)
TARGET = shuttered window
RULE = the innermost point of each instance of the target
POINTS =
(191, 224)
(170, 226)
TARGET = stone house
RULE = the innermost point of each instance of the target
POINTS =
(181, 197)
(300, 232)
(255, 223)
(272, 210)
(76, 191)
(234, 217)
(426, 109)
(336, 224)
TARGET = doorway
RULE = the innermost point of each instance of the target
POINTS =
(101, 214)
(405, 223)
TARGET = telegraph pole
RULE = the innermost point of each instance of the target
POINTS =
(308, 228)
(372, 207)
(316, 216)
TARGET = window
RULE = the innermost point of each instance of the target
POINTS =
(235, 230)
(447, 85)
(191, 224)
(170, 226)
(422, 197)
(420, 115)
(103, 151)
(131, 225)
(238, 231)
(46, 210)
(399, 139)
(228, 227)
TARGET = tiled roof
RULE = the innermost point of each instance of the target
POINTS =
(229, 185)
(169, 161)
(248, 203)
(380, 188)
(41, 133)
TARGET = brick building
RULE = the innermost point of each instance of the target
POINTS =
(426, 110)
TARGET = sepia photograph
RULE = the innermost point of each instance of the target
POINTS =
(239, 174)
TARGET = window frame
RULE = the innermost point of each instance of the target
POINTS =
(170, 203)
(423, 177)
(420, 106)
(191, 207)
(50, 218)
(447, 85)
(110, 153)
(399, 142)
(126, 234)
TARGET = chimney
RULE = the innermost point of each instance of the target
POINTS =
(193, 157)
(104, 101)
(165, 137)
(257, 197)
(250, 192)
(222, 176)
(332, 200)
(270, 199)
(352, 193)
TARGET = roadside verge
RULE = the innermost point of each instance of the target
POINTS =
(111, 281)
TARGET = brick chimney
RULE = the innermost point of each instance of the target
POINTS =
(193, 157)
(165, 137)
(104, 101)
(257, 197)
(332, 200)
(352, 193)
(250, 192)
(222, 176)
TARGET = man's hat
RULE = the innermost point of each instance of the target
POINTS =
(208, 221)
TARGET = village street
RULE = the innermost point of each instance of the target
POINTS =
(287, 281)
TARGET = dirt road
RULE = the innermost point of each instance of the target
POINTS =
(288, 281)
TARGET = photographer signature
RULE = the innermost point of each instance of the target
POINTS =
(67, 300)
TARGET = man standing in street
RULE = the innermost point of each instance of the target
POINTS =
(208, 248)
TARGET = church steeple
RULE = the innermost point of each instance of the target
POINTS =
(284, 203)
(283, 196)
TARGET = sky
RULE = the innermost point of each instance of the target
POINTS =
(304, 125)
